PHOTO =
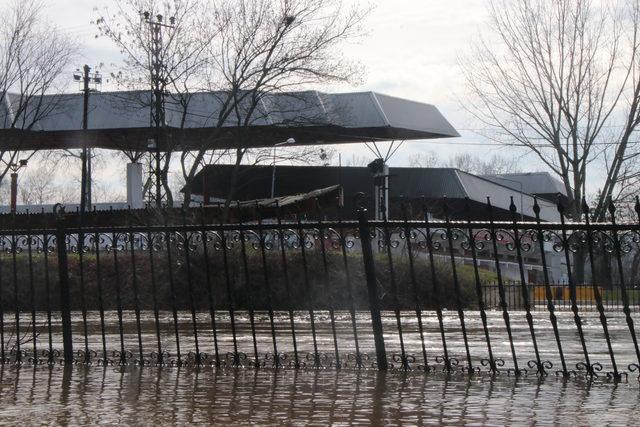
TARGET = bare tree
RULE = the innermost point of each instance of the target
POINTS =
(467, 162)
(180, 66)
(262, 48)
(33, 55)
(38, 185)
(355, 161)
(426, 159)
(562, 78)
(494, 165)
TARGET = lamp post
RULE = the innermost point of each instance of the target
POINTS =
(15, 167)
(158, 82)
(85, 78)
(273, 172)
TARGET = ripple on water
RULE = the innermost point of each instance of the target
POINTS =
(93, 395)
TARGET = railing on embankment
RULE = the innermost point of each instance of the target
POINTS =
(612, 296)
(299, 293)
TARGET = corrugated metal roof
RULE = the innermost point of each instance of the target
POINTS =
(532, 182)
(309, 116)
(478, 188)
(411, 183)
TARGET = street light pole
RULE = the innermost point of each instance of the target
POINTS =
(273, 171)
(157, 87)
(85, 182)
(85, 114)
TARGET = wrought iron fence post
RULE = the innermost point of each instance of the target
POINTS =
(63, 273)
(372, 289)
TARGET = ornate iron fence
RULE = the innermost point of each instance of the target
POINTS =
(292, 292)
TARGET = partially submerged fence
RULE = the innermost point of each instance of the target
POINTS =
(612, 296)
(282, 292)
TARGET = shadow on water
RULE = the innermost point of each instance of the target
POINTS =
(182, 395)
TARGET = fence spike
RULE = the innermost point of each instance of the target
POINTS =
(536, 207)
(612, 209)
(560, 206)
(585, 208)
(512, 207)
(445, 207)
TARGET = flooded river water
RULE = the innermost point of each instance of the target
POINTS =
(155, 395)
(162, 396)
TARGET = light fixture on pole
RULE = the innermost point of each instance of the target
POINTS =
(273, 172)
(85, 77)
(158, 83)
(15, 167)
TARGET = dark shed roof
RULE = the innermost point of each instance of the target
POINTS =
(410, 183)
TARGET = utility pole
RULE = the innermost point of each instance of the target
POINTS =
(85, 182)
(15, 167)
(157, 105)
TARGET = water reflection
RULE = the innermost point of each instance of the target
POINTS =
(188, 395)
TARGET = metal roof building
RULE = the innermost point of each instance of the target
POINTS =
(410, 183)
(541, 184)
(122, 120)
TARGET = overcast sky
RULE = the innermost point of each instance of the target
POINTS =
(411, 50)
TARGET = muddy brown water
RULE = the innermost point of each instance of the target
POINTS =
(134, 395)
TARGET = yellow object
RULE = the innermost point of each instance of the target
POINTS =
(583, 293)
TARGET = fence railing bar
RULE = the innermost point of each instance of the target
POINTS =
(136, 295)
(63, 283)
(386, 235)
(596, 292)
(32, 299)
(541, 366)
(47, 291)
(548, 293)
(210, 293)
(186, 237)
(97, 241)
(115, 247)
(414, 286)
(358, 358)
(248, 287)
(152, 242)
(503, 303)
(172, 289)
(277, 357)
(491, 362)
(448, 361)
(456, 284)
(287, 286)
(372, 290)
(322, 237)
(586, 365)
(623, 287)
(14, 254)
(83, 305)
(316, 358)
(236, 357)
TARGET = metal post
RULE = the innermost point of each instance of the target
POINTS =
(65, 305)
(85, 113)
(372, 290)
(14, 191)
(273, 175)
(158, 83)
